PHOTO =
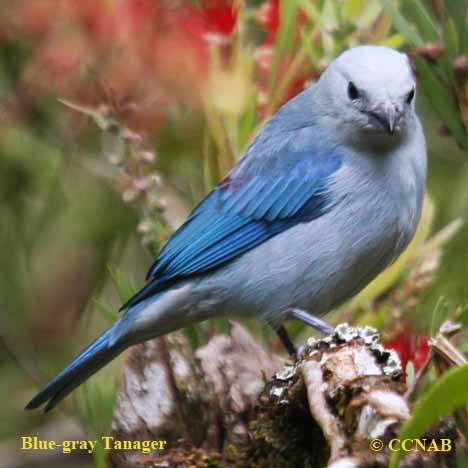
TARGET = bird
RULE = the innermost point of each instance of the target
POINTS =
(327, 195)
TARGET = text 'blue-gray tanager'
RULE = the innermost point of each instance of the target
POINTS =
(327, 195)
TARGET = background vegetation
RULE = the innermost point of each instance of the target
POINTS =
(116, 116)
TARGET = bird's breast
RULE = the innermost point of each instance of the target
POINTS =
(332, 258)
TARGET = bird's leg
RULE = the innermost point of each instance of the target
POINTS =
(285, 340)
(311, 320)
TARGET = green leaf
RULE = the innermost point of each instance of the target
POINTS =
(435, 404)
(247, 122)
(462, 461)
(465, 33)
(451, 37)
(124, 286)
(352, 8)
(369, 15)
(222, 326)
(442, 101)
(285, 38)
(286, 34)
(97, 404)
(457, 11)
(311, 11)
(329, 16)
(402, 24)
(193, 335)
(311, 50)
(395, 41)
(426, 25)
(106, 311)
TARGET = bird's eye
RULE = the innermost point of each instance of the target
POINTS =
(410, 97)
(353, 92)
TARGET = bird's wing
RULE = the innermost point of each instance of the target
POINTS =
(262, 196)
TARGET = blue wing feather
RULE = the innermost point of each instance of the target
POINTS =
(259, 198)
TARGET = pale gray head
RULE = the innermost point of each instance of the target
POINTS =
(370, 88)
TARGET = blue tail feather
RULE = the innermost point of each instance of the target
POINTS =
(93, 358)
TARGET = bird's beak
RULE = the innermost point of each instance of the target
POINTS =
(388, 116)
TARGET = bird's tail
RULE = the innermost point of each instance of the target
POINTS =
(94, 357)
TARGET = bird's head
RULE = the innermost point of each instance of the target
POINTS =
(370, 88)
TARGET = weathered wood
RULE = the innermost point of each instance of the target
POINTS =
(232, 404)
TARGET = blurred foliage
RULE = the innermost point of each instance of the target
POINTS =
(178, 90)
(437, 34)
(434, 405)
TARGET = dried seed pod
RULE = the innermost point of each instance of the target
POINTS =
(431, 51)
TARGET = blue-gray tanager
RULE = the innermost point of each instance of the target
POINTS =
(327, 195)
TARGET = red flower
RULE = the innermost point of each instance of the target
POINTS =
(414, 348)
(220, 16)
(215, 18)
(268, 17)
